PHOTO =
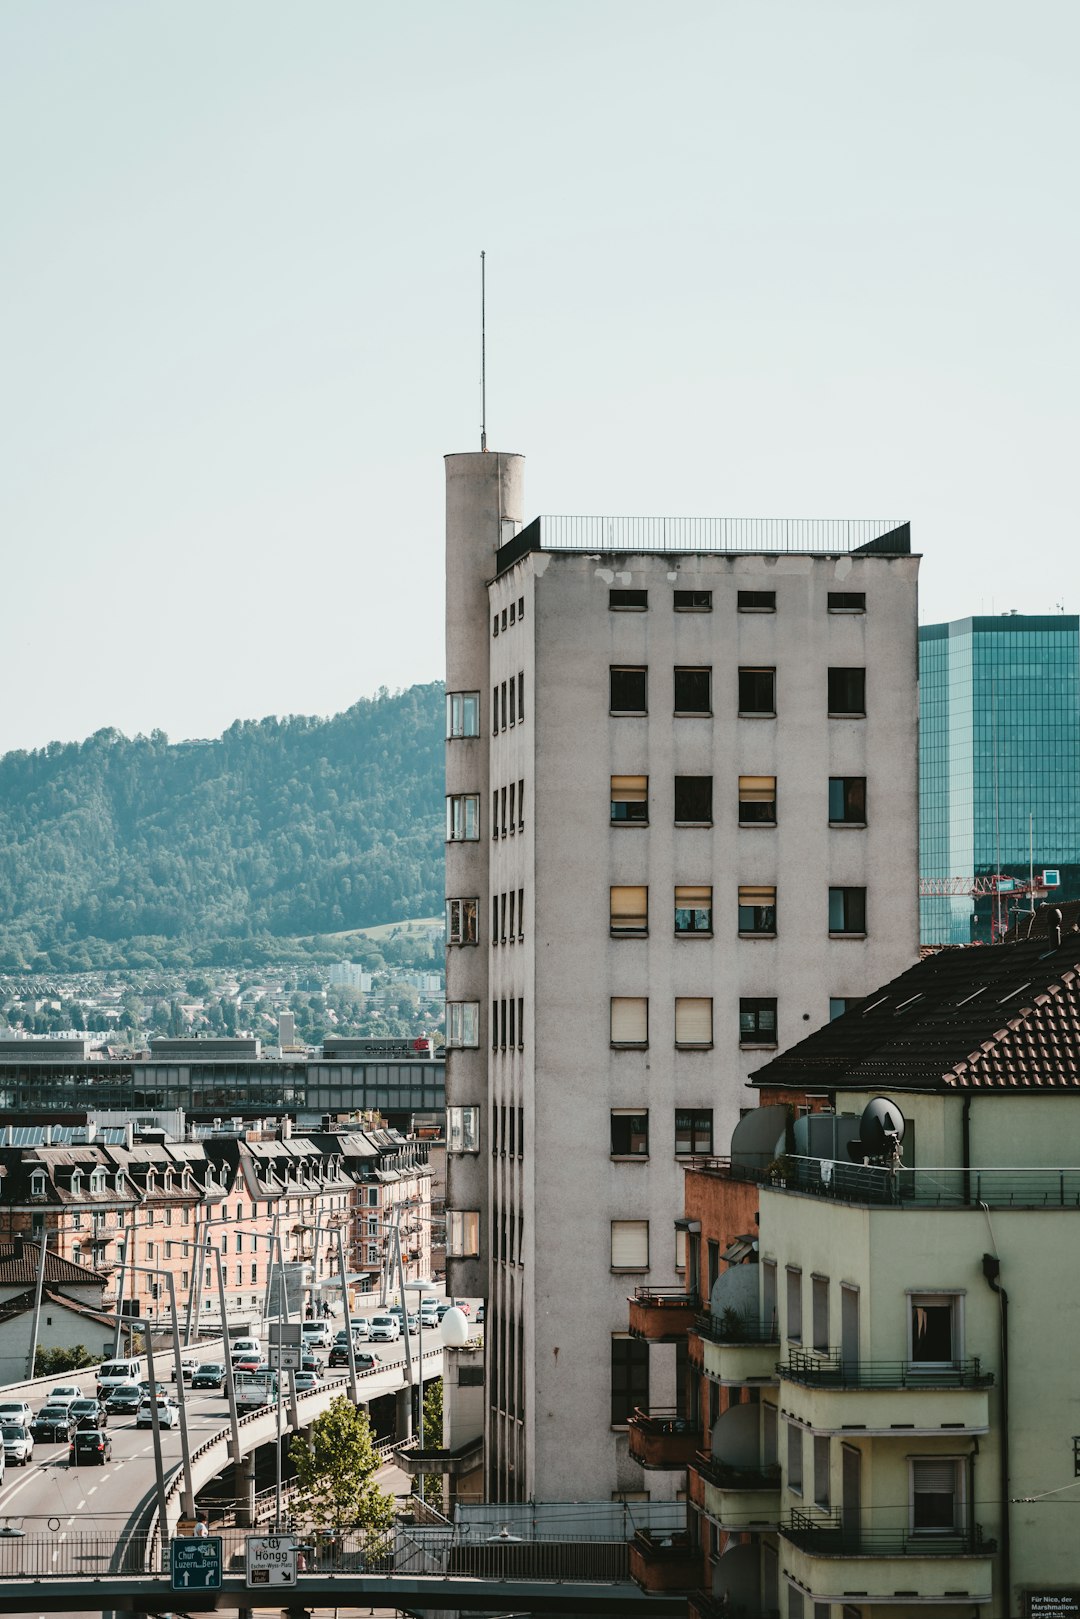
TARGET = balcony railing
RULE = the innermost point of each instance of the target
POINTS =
(732, 1328)
(831, 1370)
(830, 1537)
(664, 1562)
(726, 1477)
(703, 1606)
(947, 1188)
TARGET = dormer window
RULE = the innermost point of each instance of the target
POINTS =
(97, 1180)
(150, 1181)
(37, 1183)
(168, 1180)
(120, 1187)
(76, 1182)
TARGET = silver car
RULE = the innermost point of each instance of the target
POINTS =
(18, 1444)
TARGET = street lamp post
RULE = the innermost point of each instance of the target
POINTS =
(419, 1288)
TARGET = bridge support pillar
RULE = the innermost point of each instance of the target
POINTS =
(245, 1480)
(403, 1415)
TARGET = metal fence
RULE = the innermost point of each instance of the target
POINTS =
(835, 1370)
(815, 535)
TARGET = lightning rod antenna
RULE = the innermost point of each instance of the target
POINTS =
(483, 353)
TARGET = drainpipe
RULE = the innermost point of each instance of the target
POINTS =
(991, 1265)
(965, 1145)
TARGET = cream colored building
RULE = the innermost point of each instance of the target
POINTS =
(681, 827)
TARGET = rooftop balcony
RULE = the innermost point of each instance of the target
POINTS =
(734, 1350)
(841, 1562)
(664, 1562)
(660, 1316)
(834, 1395)
(930, 1188)
(662, 1440)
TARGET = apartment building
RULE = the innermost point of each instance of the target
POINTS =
(881, 1406)
(681, 785)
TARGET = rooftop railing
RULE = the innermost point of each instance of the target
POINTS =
(830, 1537)
(834, 1370)
(821, 536)
(931, 1188)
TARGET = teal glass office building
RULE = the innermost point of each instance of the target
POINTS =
(999, 742)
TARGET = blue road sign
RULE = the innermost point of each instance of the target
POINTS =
(195, 1565)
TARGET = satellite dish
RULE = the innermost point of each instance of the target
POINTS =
(881, 1130)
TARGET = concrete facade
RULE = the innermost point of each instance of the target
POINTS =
(545, 1075)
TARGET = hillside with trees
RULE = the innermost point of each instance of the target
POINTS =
(248, 848)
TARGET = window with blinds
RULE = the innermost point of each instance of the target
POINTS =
(935, 1494)
(630, 909)
(629, 1020)
(757, 800)
(693, 909)
(629, 800)
(693, 1020)
(629, 1244)
(757, 909)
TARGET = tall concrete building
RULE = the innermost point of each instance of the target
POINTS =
(1000, 764)
(681, 832)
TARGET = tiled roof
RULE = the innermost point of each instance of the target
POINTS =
(1002, 1017)
(20, 1262)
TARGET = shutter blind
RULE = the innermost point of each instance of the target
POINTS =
(693, 1022)
(629, 1244)
(757, 789)
(694, 898)
(934, 1478)
(629, 1021)
(758, 896)
(629, 908)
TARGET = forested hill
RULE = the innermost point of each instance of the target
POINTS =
(118, 852)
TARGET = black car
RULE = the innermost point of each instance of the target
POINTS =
(89, 1447)
(53, 1422)
(89, 1413)
(365, 1361)
(210, 1375)
(124, 1399)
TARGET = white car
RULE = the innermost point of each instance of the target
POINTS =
(361, 1329)
(64, 1393)
(317, 1335)
(17, 1411)
(168, 1414)
(188, 1367)
(244, 1346)
(385, 1329)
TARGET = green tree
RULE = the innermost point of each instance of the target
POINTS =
(335, 1474)
(433, 1439)
(49, 1362)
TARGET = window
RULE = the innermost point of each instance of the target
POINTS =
(37, 1183)
(757, 691)
(521, 913)
(819, 1311)
(693, 1132)
(847, 601)
(513, 812)
(629, 1244)
(794, 1304)
(847, 910)
(462, 714)
(757, 800)
(847, 691)
(693, 601)
(521, 608)
(629, 800)
(462, 921)
(513, 613)
(255, 1272)
(521, 695)
(693, 691)
(495, 625)
(757, 1021)
(936, 1504)
(757, 601)
(462, 817)
(768, 1293)
(463, 1129)
(693, 800)
(693, 1020)
(629, 1378)
(627, 601)
(681, 1244)
(839, 1004)
(463, 1024)
(463, 1233)
(629, 1020)
(629, 910)
(935, 1328)
(847, 800)
(757, 910)
(796, 1602)
(629, 691)
(504, 707)
(794, 1458)
(629, 1133)
(693, 910)
(821, 1471)
(513, 700)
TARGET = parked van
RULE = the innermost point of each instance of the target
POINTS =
(317, 1335)
(111, 1373)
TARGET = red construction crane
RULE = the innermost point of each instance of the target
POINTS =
(997, 886)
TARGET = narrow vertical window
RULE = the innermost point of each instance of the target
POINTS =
(521, 694)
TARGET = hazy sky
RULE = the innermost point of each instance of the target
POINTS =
(773, 257)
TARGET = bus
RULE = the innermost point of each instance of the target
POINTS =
(255, 1388)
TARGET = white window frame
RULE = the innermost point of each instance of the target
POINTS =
(462, 1025)
(462, 711)
(463, 1129)
(463, 817)
(37, 1183)
(463, 1233)
(456, 913)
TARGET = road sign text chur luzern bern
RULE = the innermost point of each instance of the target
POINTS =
(195, 1565)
